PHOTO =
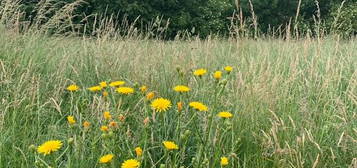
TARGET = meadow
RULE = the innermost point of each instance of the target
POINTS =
(286, 103)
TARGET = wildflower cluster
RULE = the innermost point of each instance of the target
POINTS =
(122, 106)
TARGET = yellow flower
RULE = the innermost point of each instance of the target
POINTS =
(105, 94)
(198, 106)
(103, 84)
(225, 114)
(143, 88)
(200, 72)
(161, 104)
(95, 88)
(150, 95)
(179, 106)
(217, 75)
(131, 163)
(49, 147)
(228, 69)
(181, 88)
(72, 88)
(125, 90)
(138, 151)
(116, 83)
(169, 145)
(86, 124)
(104, 128)
(71, 120)
(224, 161)
(106, 158)
(106, 115)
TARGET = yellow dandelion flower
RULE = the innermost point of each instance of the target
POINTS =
(200, 72)
(107, 115)
(95, 88)
(198, 106)
(106, 158)
(131, 163)
(225, 114)
(103, 84)
(169, 145)
(105, 94)
(161, 105)
(125, 90)
(217, 75)
(72, 88)
(138, 151)
(150, 95)
(228, 69)
(113, 124)
(179, 106)
(143, 88)
(86, 124)
(49, 147)
(116, 83)
(224, 161)
(71, 120)
(181, 88)
(104, 128)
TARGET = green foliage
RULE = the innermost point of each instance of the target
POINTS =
(344, 21)
(195, 17)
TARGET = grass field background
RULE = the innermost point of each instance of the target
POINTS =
(294, 102)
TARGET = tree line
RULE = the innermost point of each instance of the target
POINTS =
(198, 17)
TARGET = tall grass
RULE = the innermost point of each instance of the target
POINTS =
(294, 102)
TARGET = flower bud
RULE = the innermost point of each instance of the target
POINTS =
(70, 140)
(32, 147)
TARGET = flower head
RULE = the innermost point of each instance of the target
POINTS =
(107, 115)
(72, 88)
(217, 75)
(224, 161)
(103, 84)
(181, 88)
(105, 94)
(116, 83)
(121, 117)
(104, 128)
(95, 88)
(49, 147)
(225, 114)
(179, 106)
(143, 88)
(200, 72)
(198, 106)
(150, 95)
(113, 124)
(228, 69)
(125, 90)
(160, 104)
(131, 163)
(71, 120)
(146, 121)
(86, 124)
(138, 151)
(106, 158)
(169, 145)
